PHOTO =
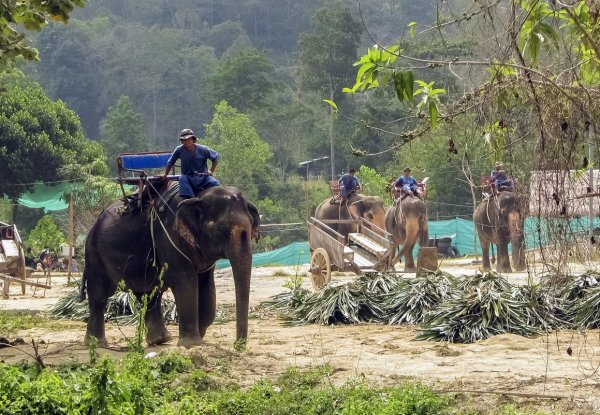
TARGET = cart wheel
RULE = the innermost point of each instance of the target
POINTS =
(320, 268)
(22, 269)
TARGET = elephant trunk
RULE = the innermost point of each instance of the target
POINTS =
(515, 226)
(240, 257)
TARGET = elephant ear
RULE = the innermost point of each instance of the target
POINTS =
(188, 217)
(356, 209)
(255, 221)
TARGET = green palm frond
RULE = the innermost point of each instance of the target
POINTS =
(415, 297)
(586, 312)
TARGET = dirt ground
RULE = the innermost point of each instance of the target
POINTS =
(534, 371)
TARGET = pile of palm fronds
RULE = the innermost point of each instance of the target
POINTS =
(122, 308)
(373, 297)
(480, 307)
(453, 309)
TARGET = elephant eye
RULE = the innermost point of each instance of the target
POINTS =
(370, 215)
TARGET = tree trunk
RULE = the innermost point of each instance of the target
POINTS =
(331, 141)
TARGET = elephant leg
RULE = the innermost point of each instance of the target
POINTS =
(485, 255)
(186, 300)
(503, 264)
(99, 290)
(207, 301)
(155, 322)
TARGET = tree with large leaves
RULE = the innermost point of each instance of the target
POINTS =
(18, 16)
(288, 125)
(123, 131)
(243, 80)
(326, 55)
(41, 141)
(244, 154)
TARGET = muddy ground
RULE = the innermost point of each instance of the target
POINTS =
(535, 371)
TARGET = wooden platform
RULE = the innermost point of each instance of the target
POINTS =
(368, 244)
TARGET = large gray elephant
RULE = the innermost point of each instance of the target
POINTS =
(406, 220)
(187, 237)
(499, 221)
(370, 208)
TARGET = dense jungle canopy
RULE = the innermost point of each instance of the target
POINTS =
(447, 87)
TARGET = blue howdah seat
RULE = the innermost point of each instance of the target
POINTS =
(144, 170)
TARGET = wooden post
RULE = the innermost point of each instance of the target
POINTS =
(71, 238)
(427, 260)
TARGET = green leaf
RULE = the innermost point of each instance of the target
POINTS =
(411, 29)
(408, 85)
(330, 102)
(399, 85)
(433, 113)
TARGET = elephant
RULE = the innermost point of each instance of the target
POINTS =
(406, 221)
(499, 221)
(370, 208)
(186, 238)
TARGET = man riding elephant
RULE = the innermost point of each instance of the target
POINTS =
(195, 175)
(406, 185)
(349, 184)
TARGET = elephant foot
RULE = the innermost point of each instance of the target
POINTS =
(504, 270)
(160, 338)
(188, 342)
(410, 269)
(90, 339)
(521, 268)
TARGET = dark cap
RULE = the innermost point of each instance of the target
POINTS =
(406, 169)
(186, 133)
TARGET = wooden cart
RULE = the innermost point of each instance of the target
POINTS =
(12, 258)
(370, 248)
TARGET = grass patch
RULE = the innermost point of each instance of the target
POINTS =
(12, 322)
(280, 273)
(172, 384)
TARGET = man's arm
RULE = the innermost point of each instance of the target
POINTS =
(213, 167)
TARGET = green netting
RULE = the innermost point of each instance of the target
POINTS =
(296, 253)
(48, 197)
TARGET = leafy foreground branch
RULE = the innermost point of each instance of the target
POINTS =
(464, 309)
(171, 384)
